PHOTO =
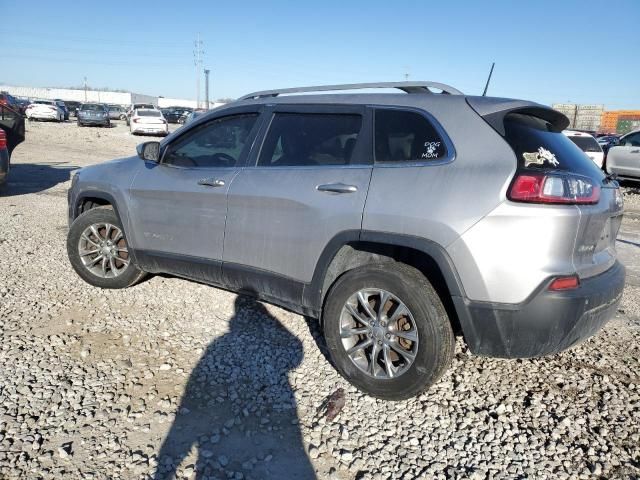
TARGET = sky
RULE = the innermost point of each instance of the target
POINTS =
(580, 51)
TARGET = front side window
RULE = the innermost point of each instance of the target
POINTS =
(216, 144)
(301, 139)
(403, 136)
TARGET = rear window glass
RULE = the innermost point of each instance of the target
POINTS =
(403, 136)
(149, 113)
(586, 144)
(297, 139)
(538, 146)
(93, 108)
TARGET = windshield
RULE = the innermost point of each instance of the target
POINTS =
(149, 113)
(586, 144)
(92, 107)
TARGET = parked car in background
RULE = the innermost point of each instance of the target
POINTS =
(10, 101)
(623, 159)
(72, 106)
(367, 212)
(193, 115)
(44, 110)
(63, 107)
(148, 121)
(12, 133)
(93, 114)
(607, 141)
(116, 112)
(135, 106)
(174, 114)
(23, 103)
(588, 144)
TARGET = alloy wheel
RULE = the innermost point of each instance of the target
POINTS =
(103, 250)
(378, 333)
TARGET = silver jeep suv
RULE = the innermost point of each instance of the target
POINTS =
(397, 219)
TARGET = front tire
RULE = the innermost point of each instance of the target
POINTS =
(98, 250)
(387, 330)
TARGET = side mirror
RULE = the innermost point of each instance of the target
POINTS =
(149, 151)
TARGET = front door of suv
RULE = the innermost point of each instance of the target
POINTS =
(178, 207)
(305, 185)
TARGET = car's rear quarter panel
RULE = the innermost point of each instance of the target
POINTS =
(441, 202)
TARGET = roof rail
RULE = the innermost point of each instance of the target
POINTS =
(408, 87)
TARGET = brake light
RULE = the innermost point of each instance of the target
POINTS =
(565, 283)
(563, 189)
(136, 120)
(3, 139)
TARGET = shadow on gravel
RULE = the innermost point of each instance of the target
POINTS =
(25, 178)
(238, 410)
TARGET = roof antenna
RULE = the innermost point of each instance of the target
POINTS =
(484, 94)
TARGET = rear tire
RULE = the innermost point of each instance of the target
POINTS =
(394, 375)
(122, 272)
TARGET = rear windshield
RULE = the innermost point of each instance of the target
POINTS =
(92, 107)
(149, 113)
(537, 146)
(43, 102)
(586, 144)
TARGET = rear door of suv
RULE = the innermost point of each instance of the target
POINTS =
(305, 184)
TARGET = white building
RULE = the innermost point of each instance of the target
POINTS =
(99, 96)
(181, 102)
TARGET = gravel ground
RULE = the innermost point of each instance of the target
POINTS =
(128, 384)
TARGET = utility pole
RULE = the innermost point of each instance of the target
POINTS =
(206, 88)
(406, 74)
(85, 89)
(198, 52)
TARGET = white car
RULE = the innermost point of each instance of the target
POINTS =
(588, 144)
(623, 159)
(149, 121)
(44, 110)
(138, 106)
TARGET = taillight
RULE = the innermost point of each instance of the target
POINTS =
(566, 189)
(3, 139)
(565, 283)
(136, 120)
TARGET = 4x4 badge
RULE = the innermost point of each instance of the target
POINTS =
(539, 157)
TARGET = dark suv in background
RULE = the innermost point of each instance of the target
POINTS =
(397, 219)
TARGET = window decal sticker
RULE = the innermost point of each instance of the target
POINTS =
(539, 157)
(431, 150)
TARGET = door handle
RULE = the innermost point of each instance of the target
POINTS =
(211, 182)
(337, 188)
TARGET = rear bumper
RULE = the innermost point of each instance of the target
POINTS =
(547, 323)
(94, 121)
(150, 129)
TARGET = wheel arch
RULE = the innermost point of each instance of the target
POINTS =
(352, 249)
(85, 201)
